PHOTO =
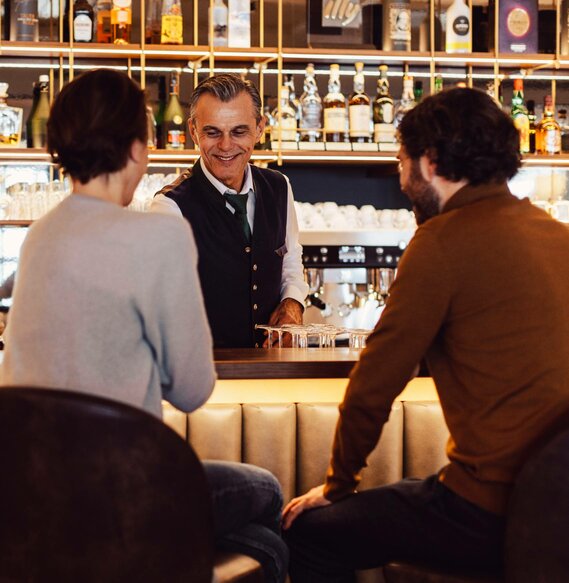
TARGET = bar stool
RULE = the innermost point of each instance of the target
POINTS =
(537, 531)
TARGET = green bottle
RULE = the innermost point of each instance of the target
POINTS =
(174, 127)
(39, 116)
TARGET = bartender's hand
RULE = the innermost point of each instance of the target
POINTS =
(312, 499)
(289, 311)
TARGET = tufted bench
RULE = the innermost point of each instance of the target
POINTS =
(293, 440)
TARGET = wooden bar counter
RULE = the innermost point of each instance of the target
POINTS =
(285, 375)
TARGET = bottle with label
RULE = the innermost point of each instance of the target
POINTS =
(359, 108)
(174, 132)
(172, 23)
(518, 26)
(310, 109)
(83, 21)
(153, 26)
(532, 125)
(121, 21)
(397, 25)
(239, 23)
(548, 132)
(284, 127)
(564, 126)
(520, 115)
(37, 122)
(294, 101)
(24, 21)
(458, 28)
(335, 114)
(438, 83)
(219, 16)
(384, 130)
(407, 102)
(10, 120)
(265, 142)
(104, 21)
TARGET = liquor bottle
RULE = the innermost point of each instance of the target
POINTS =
(294, 101)
(265, 142)
(121, 21)
(548, 132)
(335, 115)
(397, 25)
(438, 83)
(359, 110)
(10, 120)
(35, 101)
(219, 16)
(418, 91)
(153, 26)
(160, 111)
(104, 34)
(458, 29)
(310, 109)
(239, 23)
(532, 119)
(407, 102)
(83, 21)
(285, 126)
(172, 23)
(520, 115)
(37, 136)
(24, 22)
(384, 130)
(564, 126)
(518, 30)
(174, 131)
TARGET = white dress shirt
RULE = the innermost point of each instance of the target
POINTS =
(292, 278)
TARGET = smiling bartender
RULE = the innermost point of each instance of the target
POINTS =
(243, 217)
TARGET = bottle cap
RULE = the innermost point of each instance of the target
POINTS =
(518, 84)
(334, 67)
(359, 66)
(383, 68)
(44, 79)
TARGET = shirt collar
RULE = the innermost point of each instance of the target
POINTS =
(221, 188)
(470, 194)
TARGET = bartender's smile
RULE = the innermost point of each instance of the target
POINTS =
(226, 133)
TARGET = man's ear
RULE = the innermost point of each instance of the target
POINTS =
(137, 150)
(261, 128)
(428, 168)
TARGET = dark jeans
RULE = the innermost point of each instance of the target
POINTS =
(247, 503)
(412, 520)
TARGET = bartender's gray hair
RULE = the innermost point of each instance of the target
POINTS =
(226, 87)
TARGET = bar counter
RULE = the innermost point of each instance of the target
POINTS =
(292, 375)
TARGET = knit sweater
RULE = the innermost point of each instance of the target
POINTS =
(107, 301)
(481, 292)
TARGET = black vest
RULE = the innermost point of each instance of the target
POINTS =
(241, 281)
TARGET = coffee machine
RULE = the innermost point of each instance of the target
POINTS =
(349, 273)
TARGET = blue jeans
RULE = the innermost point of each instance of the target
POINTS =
(247, 503)
(412, 520)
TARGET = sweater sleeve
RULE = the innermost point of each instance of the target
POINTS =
(419, 299)
(182, 337)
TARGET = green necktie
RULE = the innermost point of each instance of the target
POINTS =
(239, 203)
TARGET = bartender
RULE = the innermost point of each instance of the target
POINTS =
(243, 218)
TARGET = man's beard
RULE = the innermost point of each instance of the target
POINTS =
(423, 196)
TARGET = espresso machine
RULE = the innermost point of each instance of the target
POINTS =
(349, 274)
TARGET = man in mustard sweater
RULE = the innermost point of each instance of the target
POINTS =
(481, 293)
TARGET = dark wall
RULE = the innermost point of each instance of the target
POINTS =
(359, 185)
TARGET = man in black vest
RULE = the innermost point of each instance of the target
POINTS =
(242, 217)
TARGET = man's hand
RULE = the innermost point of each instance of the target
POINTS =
(289, 311)
(312, 499)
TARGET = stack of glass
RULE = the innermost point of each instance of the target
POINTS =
(318, 335)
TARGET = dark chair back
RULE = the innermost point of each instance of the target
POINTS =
(92, 490)
(537, 539)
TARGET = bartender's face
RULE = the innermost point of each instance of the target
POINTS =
(226, 133)
(420, 192)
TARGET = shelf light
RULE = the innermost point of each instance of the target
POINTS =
(338, 158)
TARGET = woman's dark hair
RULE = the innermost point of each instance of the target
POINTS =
(93, 123)
(466, 134)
